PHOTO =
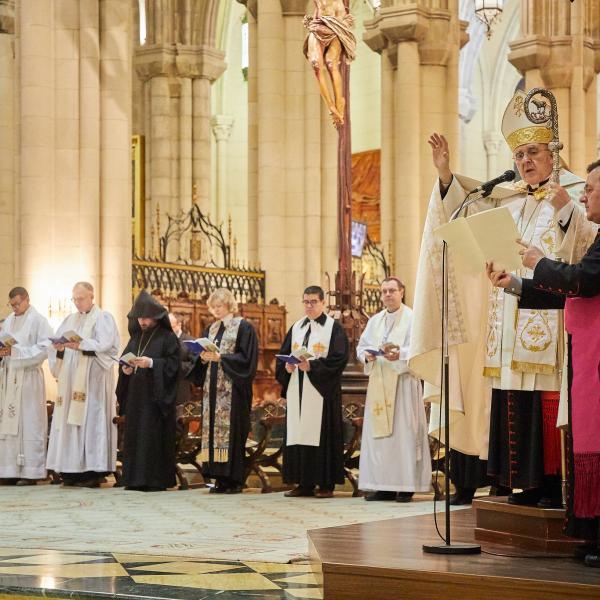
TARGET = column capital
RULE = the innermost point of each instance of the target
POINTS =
(221, 127)
(293, 8)
(431, 28)
(178, 60)
(251, 5)
(492, 142)
(7, 16)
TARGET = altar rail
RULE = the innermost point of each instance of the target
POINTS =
(196, 282)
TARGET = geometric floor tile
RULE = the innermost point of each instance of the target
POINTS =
(69, 571)
(139, 558)
(316, 593)
(231, 582)
(57, 558)
(184, 567)
(265, 567)
(307, 578)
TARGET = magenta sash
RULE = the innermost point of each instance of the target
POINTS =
(582, 321)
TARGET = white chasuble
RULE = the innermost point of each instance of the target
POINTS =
(395, 446)
(23, 415)
(305, 414)
(83, 435)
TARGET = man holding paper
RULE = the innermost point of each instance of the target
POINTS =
(23, 416)
(577, 288)
(500, 376)
(82, 445)
(147, 389)
(394, 457)
(314, 449)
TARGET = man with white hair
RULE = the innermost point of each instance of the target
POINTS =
(82, 446)
(23, 416)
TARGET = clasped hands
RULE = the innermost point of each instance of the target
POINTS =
(530, 257)
(141, 362)
(210, 356)
(303, 365)
(69, 345)
(391, 355)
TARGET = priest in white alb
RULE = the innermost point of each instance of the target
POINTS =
(23, 416)
(82, 446)
(394, 456)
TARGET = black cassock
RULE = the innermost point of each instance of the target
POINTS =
(147, 400)
(321, 465)
(240, 368)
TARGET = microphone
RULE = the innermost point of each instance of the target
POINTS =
(488, 186)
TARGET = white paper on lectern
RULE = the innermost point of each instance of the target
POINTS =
(488, 236)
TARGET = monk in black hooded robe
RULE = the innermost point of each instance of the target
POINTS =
(320, 462)
(146, 392)
(226, 379)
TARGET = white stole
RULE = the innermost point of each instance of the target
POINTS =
(79, 389)
(383, 380)
(11, 377)
(304, 422)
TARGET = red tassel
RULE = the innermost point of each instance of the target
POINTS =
(586, 495)
(551, 434)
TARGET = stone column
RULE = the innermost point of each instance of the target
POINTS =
(560, 50)
(8, 163)
(221, 128)
(492, 141)
(115, 159)
(419, 43)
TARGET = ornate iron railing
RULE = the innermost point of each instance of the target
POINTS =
(197, 282)
(371, 298)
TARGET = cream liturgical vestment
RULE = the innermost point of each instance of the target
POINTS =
(83, 436)
(23, 415)
(395, 447)
(486, 349)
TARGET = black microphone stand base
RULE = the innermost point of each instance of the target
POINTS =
(452, 548)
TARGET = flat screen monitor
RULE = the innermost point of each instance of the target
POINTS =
(358, 238)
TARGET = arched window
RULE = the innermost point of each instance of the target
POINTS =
(142, 11)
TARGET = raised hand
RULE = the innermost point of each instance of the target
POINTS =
(440, 153)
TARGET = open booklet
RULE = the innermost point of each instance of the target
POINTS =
(488, 236)
(66, 337)
(7, 340)
(296, 357)
(201, 345)
(383, 349)
(126, 359)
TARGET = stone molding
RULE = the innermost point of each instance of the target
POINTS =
(221, 127)
(293, 8)
(176, 60)
(7, 16)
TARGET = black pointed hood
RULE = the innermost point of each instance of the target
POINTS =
(147, 307)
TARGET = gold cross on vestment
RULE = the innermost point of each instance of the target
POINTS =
(377, 409)
(318, 348)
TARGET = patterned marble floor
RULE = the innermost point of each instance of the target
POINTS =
(52, 573)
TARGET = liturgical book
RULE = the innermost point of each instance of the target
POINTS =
(296, 357)
(66, 337)
(201, 345)
(7, 340)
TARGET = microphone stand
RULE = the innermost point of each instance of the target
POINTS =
(448, 547)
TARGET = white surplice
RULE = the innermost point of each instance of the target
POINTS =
(22, 397)
(91, 446)
(399, 462)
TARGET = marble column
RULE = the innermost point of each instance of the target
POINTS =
(8, 164)
(419, 43)
(221, 128)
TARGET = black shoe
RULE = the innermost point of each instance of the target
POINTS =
(525, 498)
(234, 489)
(380, 495)
(218, 488)
(404, 496)
(581, 551)
(299, 492)
(593, 560)
(461, 499)
(547, 502)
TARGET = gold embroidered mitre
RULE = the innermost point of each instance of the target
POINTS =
(517, 129)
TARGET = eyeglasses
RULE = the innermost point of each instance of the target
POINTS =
(531, 152)
(14, 304)
(310, 302)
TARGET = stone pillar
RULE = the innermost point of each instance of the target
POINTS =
(253, 254)
(221, 128)
(419, 43)
(492, 141)
(115, 159)
(7, 150)
(560, 50)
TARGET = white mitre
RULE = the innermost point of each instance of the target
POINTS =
(517, 129)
